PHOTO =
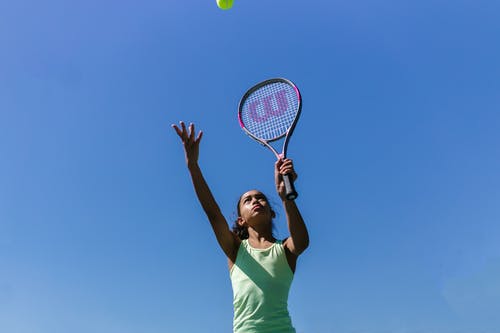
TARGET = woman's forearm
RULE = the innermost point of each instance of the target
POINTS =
(296, 226)
(203, 192)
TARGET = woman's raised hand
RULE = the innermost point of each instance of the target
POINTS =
(282, 167)
(190, 142)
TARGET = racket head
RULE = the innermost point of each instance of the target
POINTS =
(270, 110)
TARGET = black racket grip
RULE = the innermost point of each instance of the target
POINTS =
(290, 193)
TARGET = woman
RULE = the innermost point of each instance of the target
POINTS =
(261, 267)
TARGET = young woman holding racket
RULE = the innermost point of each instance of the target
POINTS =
(261, 267)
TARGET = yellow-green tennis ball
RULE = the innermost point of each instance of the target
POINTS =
(225, 4)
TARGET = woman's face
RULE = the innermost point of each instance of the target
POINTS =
(254, 208)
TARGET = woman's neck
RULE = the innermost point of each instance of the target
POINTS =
(260, 239)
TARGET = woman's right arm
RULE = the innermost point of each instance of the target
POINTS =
(226, 239)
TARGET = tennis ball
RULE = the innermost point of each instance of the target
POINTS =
(225, 4)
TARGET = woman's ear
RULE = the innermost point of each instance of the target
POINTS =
(241, 222)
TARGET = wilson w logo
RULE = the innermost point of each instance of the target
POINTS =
(262, 109)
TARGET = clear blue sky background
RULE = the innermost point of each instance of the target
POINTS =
(397, 152)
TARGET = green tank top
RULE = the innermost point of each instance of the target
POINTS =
(261, 280)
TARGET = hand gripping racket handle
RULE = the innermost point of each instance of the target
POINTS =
(290, 192)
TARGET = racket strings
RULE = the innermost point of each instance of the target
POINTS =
(270, 111)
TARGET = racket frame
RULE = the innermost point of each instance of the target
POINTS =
(291, 193)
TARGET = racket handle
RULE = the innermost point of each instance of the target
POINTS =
(290, 192)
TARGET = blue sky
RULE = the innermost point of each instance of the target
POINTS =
(397, 152)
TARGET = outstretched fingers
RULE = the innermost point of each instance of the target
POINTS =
(181, 132)
(191, 132)
(190, 142)
(198, 138)
(187, 134)
(177, 130)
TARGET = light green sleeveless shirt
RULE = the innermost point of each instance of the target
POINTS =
(261, 280)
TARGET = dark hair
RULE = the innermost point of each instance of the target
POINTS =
(242, 231)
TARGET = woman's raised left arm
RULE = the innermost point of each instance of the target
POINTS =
(299, 236)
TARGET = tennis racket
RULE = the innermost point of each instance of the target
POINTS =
(268, 112)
